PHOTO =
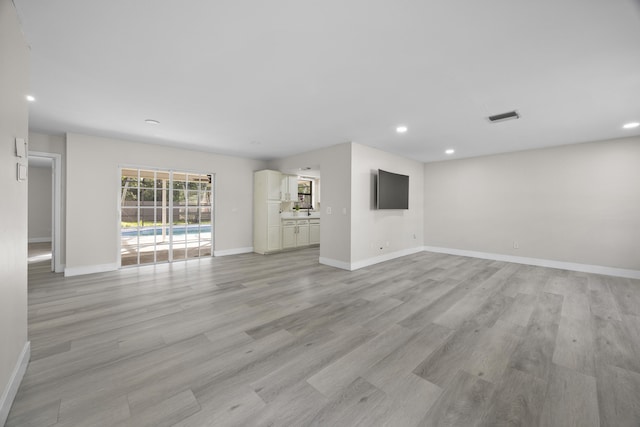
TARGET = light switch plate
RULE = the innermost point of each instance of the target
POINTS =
(21, 147)
(22, 172)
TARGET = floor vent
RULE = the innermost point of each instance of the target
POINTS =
(504, 116)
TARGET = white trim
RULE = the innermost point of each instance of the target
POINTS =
(56, 205)
(11, 389)
(335, 263)
(118, 229)
(235, 251)
(40, 239)
(585, 268)
(386, 257)
(90, 269)
(57, 214)
(169, 206)
(369, 261)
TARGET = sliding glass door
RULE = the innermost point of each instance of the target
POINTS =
(191, 216)
(165, 216)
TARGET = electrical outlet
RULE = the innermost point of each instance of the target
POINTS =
(328, 210)
(516, 245)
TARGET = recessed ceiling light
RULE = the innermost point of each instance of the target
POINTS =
(30, 98)
(152, 122)
(401, 129)
(450, 151)
(631, 125)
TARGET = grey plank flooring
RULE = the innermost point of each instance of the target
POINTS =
(534, 354)
(280, 340)
(518, 401)
(569, 400)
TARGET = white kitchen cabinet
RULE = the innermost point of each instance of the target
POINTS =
(314, 232)
(302, 238)
(267, 185)
(273, 226)
(274, 183)
(289, 228)
(289, 188)
(266, 212)
(295, 233)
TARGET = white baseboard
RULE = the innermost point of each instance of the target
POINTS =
(10, 391)
(335, 263)
(386, 257)
(89, 269)
(39, 239)
(585, 268)
(369, 261)
(235, 251)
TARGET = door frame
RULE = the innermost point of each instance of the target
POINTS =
(56, 207)
(170, 219)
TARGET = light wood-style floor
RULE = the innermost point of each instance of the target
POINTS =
(39, 252)
(252, 340)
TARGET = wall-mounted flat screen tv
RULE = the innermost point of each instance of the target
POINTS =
(392, 190)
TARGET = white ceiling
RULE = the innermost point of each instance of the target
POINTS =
(266, 79)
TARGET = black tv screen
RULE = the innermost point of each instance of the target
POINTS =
(393, 190)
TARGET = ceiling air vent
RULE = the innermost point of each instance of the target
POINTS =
(504, 116)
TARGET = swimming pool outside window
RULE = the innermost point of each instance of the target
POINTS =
(165, 216)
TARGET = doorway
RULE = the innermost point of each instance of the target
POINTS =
(165, 216)
(45, 205)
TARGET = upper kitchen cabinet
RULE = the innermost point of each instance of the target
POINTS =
(289, 188)
(268, 185)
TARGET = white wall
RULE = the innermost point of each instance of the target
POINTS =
(351, 236)
(40, 195)
(576, 203)
(335, 170)
(383, 234)
(93, 189)
(57, 145)
(14, 85)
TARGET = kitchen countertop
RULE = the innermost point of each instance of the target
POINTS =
(301, 215)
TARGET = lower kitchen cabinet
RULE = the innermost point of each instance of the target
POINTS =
(297, 232)
(289, 234)
(314, 232)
